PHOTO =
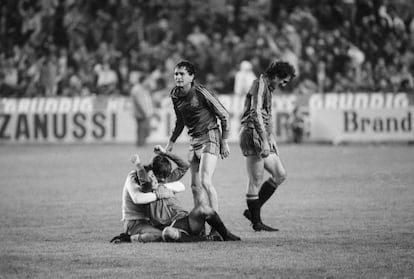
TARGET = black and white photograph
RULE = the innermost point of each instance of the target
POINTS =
(207, 139)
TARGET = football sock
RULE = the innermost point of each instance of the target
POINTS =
(215, 221)
(213, 231)
(266, 191)
(203, 231)
(254, 208)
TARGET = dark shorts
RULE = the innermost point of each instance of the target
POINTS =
(250, 142)
(207, 143)
(182, 224)
(139, 227)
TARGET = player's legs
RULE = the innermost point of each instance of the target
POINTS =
(208, 164)
(255, 172)
(198, 216)
(204, 151)
(146, 237)
(142, 231)
(179, 231)
(199, 195)
(273, 164)
(275, 167)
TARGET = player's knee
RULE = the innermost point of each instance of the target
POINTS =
(205, 210)
(279, 178)
(170, 234)
(202, 211)
(196, 189)
(253, 189)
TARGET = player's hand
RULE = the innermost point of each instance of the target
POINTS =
(158, 149)
(272, 142)
(122, 238)
(265, 149)
(163, 192)
(169, 146)
(224, 149)
(135, 159)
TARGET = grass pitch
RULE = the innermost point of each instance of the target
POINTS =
(343, 212)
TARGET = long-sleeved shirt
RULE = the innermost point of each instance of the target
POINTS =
(136, 195)
(198, 110)
(164, 211)
(257, 111)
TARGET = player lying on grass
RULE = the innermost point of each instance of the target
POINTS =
(154, 186)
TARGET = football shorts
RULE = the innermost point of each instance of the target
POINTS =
(250, 142)
(207, 143)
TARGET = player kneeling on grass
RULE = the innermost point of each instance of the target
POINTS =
(139, 190)
(177, 224)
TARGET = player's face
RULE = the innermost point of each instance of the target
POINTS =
(280, 82)
(182, 78)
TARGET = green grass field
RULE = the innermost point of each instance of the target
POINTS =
(343, 212)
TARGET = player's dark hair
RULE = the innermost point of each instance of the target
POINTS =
(280, 69)
(188, 66)
(161, 167)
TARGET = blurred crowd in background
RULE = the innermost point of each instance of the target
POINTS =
(106, 47)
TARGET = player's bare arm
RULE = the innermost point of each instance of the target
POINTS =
(258, 107)
(182, 165)
(224, 148)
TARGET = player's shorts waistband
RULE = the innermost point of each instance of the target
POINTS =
(211, 135)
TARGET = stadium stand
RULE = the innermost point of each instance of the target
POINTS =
(83, 47)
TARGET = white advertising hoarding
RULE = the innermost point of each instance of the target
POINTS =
(362, 125)
(333, 117)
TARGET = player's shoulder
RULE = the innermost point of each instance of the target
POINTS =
(254, 87)
(204, 91)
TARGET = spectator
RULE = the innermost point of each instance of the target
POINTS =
(297, 125)
(71, 84)
(143, 108)
(243, 80)
(48, 75)
(5, 89)
(321, 76)
(11, 76)
(197, 38)
(32, 23)
(407, 79)
(107, 79)
(124, 71)
(306, 31)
